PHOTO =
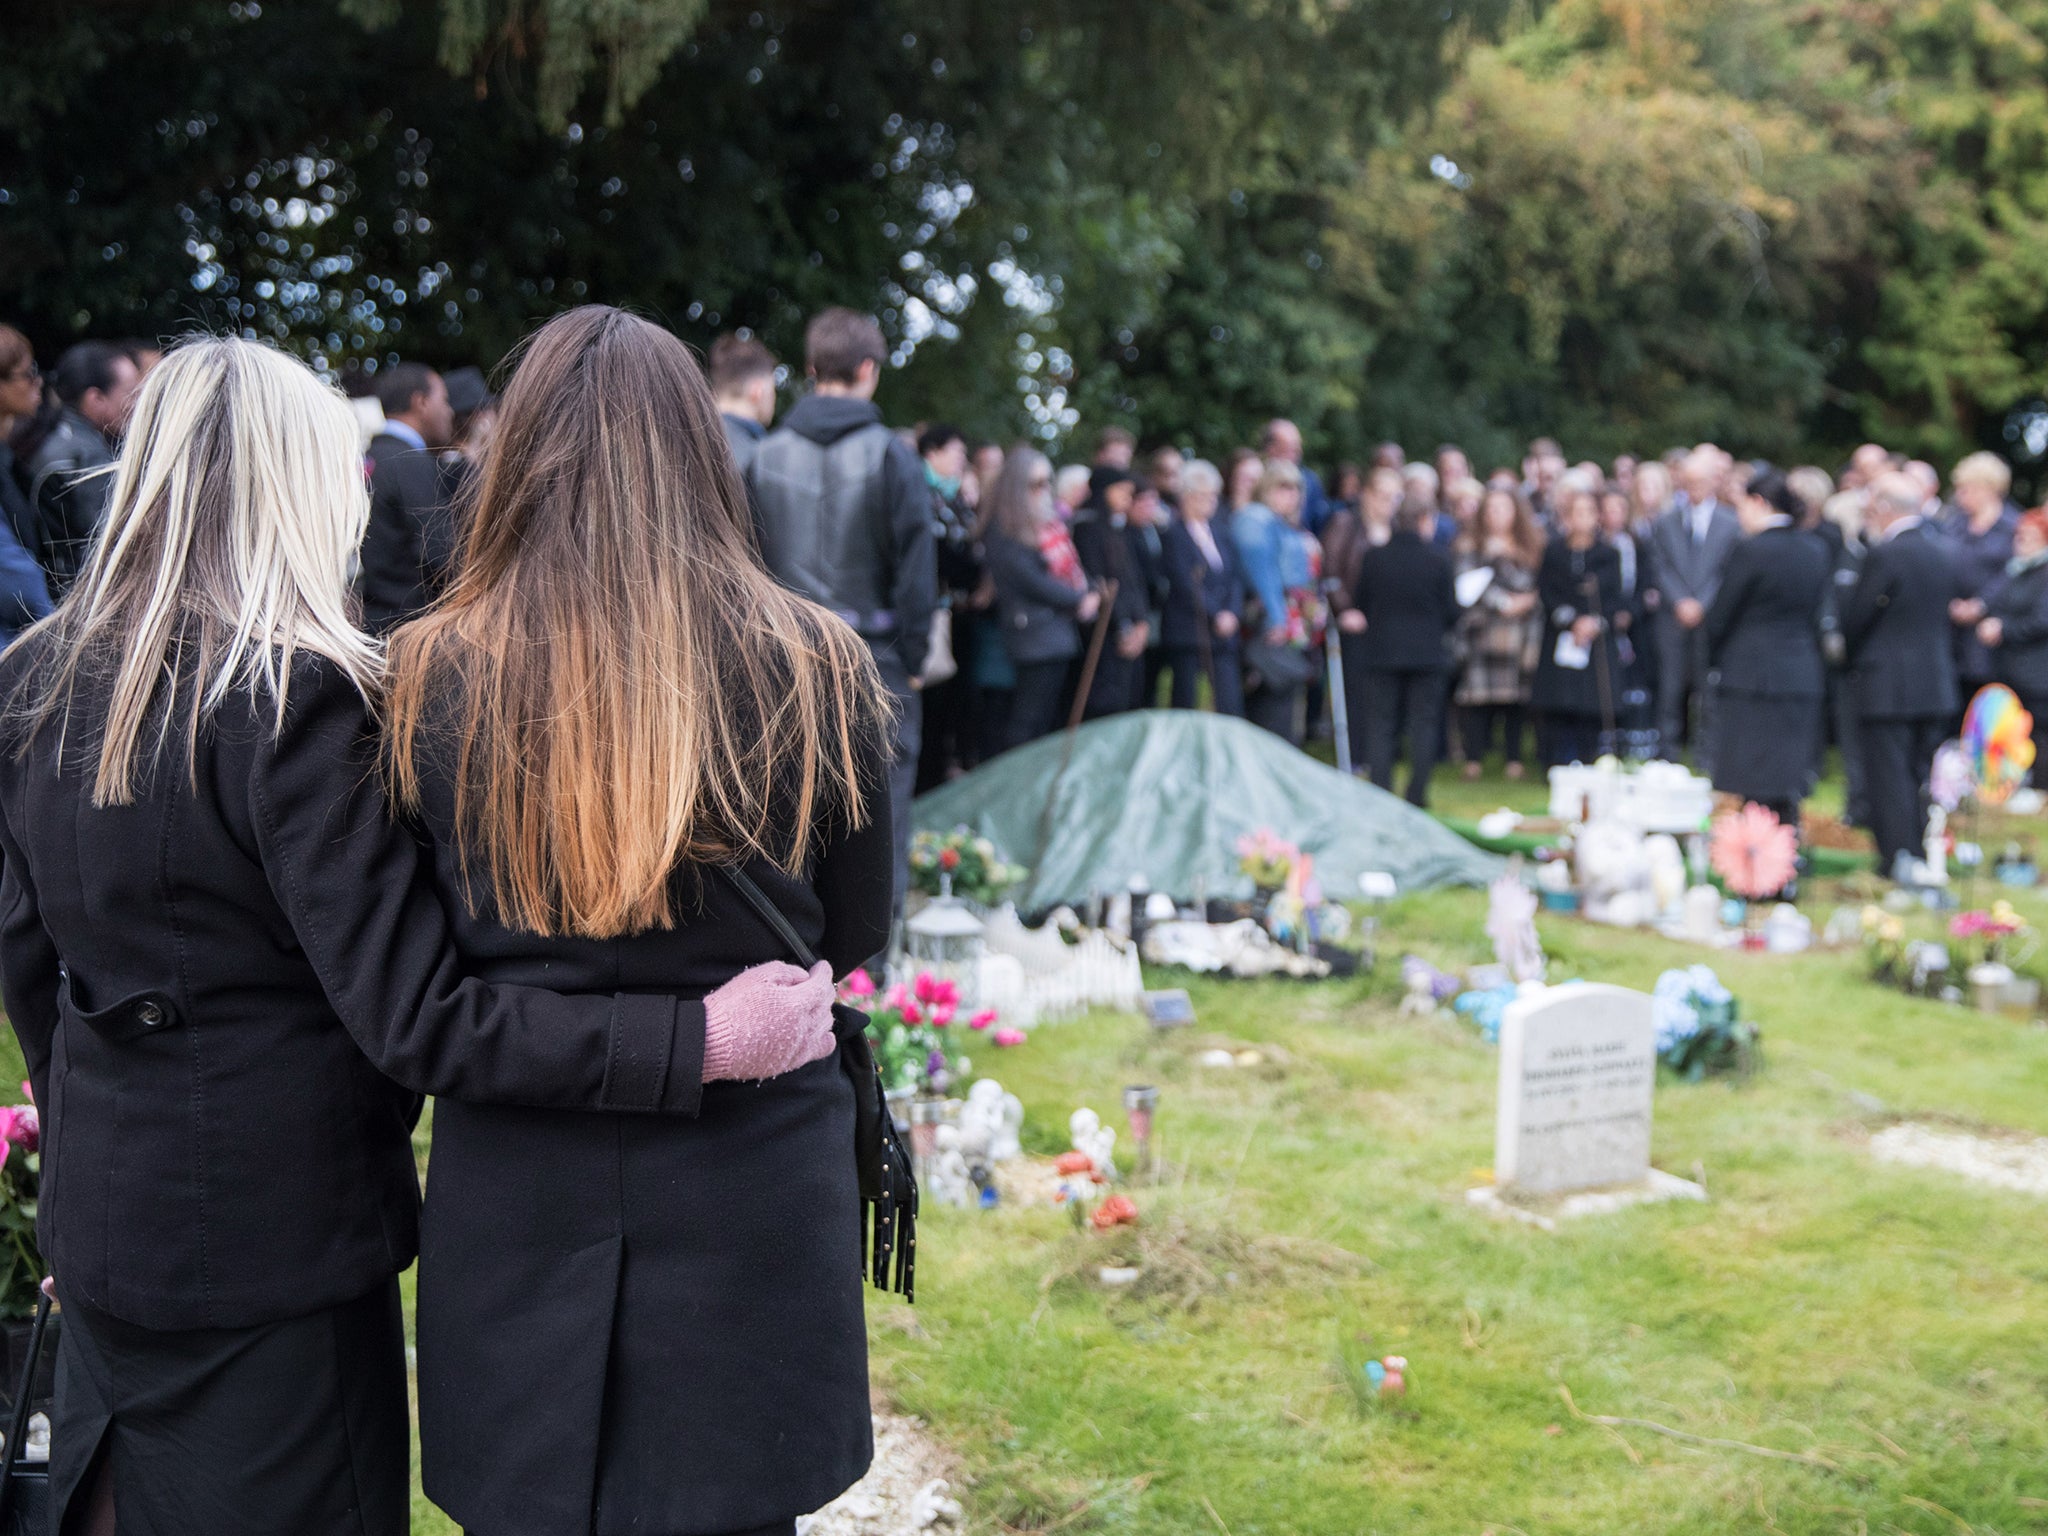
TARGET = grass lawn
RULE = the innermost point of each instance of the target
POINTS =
(1890, 1323)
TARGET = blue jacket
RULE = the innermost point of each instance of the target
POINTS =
(1275, 558)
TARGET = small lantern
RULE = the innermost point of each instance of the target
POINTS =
(946, 939)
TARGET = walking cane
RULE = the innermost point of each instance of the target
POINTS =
(1202, 647)
(1340, 707)
(1088, 666)
(1600, 673)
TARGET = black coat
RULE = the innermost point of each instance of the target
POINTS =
(651, 1324)
(1405, 591)
(409, 546)
(1763, 629)
(1896, 626)
(1111, 550)
(204, 984)
(2020, 659)
(1190, 577)
(1034, 608)
(1569, 583)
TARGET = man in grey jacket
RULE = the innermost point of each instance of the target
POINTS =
(1690, 543)
(844, 518)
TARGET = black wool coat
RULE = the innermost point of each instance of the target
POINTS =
(1405, 591)
(1571, 582)
(1896, 627)
(409, 546)
(651, 1324)
(1763, 630)
(205, 983)
(2020, 659)
(1189, 576)
(1034, 608)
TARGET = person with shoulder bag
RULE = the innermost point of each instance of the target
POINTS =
(232, 979)
(643, 763)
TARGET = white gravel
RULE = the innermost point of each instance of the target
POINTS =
(2018, 1163)
(906, 1491)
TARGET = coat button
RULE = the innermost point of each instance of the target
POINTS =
(149, 1015)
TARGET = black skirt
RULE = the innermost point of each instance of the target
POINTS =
(1766, 749)
(296, 1426)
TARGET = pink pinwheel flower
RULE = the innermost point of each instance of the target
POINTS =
(983, 1019)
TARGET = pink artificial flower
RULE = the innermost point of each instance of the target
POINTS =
(1010, 1037)
(896, 999)
(947, 993)
(983, 1019)
(27, 1092)
(859, 984)
(912, 1014)
(8, 1134)
(942, 1014)
(926, 987)
(21, 1126)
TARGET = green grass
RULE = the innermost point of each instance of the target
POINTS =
(1819, 1303)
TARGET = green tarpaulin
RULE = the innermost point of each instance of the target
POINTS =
(1165, 795)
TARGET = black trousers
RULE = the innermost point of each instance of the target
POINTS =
(1277, 710)
(1569, 739)
(1035, 701)
(1401, 704)
(903, 764)
(1897, 755)
(1358, 698)
(1478, 721)
(299, 1426)
(1115, 690)
(1226, 686)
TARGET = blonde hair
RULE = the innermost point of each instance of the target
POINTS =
(1274, 474)
(1986, 469)
(614, 684)
(237, 505)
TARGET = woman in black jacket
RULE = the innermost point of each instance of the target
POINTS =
(2015, 624)
(1763, 647)
(1042, 593)
(1578, 669)
(639, 1325)
(211, 939)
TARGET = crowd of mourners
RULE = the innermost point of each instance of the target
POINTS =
(1751, 615)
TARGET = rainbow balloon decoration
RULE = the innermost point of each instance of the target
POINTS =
(1998, 736)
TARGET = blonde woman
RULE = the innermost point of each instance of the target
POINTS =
(211, 940)
(640, 1325)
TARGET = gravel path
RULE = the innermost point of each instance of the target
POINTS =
(906, 1491)
(2019, 1163)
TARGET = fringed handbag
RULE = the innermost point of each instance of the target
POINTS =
(889, 1236)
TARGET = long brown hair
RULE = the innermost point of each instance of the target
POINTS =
(619, 686)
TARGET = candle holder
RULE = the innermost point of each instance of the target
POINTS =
(1139, 1103)
(926, 1115)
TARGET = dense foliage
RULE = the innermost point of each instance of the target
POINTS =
(1628, 222)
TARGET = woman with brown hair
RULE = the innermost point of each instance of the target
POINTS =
(627, 1324)
(1498, 630)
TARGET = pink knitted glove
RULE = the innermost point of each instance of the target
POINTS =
(768, 1020)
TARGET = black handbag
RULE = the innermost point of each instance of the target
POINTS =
(886, 1180)
(1279, 667)
(25, 1485)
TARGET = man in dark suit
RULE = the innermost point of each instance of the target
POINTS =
(1104, 539)
(410, 544)
(1204, 608)
(1690, 543)
(1405, 593)
(1896, 629)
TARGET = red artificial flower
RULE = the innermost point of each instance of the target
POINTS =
(1116, 1211)
(1073, 1162)
(949, 859)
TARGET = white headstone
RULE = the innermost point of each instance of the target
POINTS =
(1578, 1064)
